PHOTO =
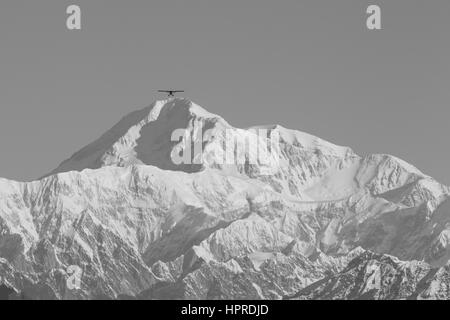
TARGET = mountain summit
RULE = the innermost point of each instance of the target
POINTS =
(137, 224)
(142, 137)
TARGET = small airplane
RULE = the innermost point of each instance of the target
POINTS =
(170, 92)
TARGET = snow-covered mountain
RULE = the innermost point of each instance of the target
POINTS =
(139, 225)
(376, 276)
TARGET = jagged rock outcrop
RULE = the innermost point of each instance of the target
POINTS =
(382, 277)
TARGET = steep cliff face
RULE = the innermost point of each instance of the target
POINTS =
(138, 223)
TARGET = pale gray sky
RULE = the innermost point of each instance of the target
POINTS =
(309, 65)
